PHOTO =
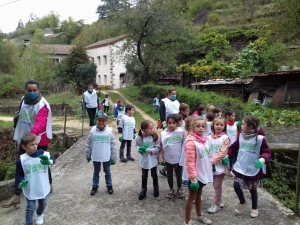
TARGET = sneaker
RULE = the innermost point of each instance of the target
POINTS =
(254, 213)
(170, 194)
(142, 194)
(180, 193)
(203, 218)
(39, 219)
(162, 172)
(213, 209)
(222, 204)
(123, 160)
(240, 207)
(191, 222)
(185, 183)
(130, 158)
(110, 190)
(94, 190)
(231, 174)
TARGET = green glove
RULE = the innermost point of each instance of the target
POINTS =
(23, 183)
(112, 162)
(162, 164)
(258, 164)
(134, 136)
(44, 160)
(142, 150)
(213, 168)
(88, 159)
(225, 161)
(121, 138)
(194, 186)
(239, 123)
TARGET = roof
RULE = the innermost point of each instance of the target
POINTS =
(57, 49)
(275, 73)
(222, 81)
(106, 42)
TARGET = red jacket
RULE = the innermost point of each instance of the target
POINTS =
(40, 126)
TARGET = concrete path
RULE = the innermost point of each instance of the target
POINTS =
(71, 203)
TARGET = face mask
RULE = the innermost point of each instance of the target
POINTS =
(31, 95)
(173, 97)
(90, 91)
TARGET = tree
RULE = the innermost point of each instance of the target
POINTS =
(20, 25)
(110, 6)
(8, 56)
(287, 20)
(88, 35)
(71, 28)
(85, 75)
(68, 67)
(155, 34)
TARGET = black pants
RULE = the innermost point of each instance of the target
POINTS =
(128, 148)
(145, 177)
(239, 192)
(178, 171)
(92, 114)
(106, 108)
(18, 191)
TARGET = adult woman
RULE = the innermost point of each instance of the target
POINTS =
(91, 103)
(34, 117)
(168, 105)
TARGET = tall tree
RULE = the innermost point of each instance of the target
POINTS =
(8, 56)
(156, 34)
(71, 28)
(110, 6)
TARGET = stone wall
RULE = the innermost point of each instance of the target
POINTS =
(57, 109)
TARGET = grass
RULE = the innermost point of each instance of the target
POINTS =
(6, 124)
(138, 117)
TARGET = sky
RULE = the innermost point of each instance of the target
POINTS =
(11, 11)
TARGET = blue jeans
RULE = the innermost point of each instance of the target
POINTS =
(156, 107)
(97, 169)
(42, 203)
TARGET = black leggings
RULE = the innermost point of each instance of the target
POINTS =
(239, 192)
(178, 171)
(92, 114)
(145, 177)
(18, 191)
(106, 108)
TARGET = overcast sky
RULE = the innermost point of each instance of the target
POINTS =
(11, 11)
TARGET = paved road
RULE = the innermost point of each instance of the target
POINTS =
(70, 203)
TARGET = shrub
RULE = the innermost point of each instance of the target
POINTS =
(220, 5)
(213, 18)
(195, 98)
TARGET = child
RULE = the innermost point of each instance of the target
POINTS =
(209, 108)
(209, 118)
(184, 110)
(114, 108)
(148, 144)
(217, 111)
(170, 152)
(232, 132)
(105, 104)
(200, 111)
(248, 170)
(156, 104)
(218, 145)
(188, 127)
(119, 111)
(126, 129)
(101, 148)
(198, 168)
(32, 177)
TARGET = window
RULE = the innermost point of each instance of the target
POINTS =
(105, 79)
(105, 59)
(99, 60)
(99, 79)
(55, 61)
(292, 94)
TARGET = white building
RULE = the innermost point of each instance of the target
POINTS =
(110, 70)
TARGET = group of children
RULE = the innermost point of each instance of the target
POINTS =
(197, 148)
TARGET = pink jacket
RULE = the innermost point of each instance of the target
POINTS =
(40, 126)
(190, 156)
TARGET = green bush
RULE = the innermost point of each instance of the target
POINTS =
(196, 98)
(213, 18)
(7, 170)
(220, 5)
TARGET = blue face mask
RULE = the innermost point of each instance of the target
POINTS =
(173, 97)
(90, 91)
(31, 95)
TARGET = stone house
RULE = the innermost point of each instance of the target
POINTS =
(110, 69)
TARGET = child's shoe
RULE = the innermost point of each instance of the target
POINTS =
(130, 158)
(123, 160)
(156, 192)
(203, 218)
(240, 207)
(185, 183)
(142, 194)
(110, 190)
(162, 172)
(213, 209)
(191, 222)
(254, 213)
(170, 194)
(222, 203)
(39, 219)
(94, 190)
(180, 193)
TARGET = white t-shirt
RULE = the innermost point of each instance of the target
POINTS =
(128, 125)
